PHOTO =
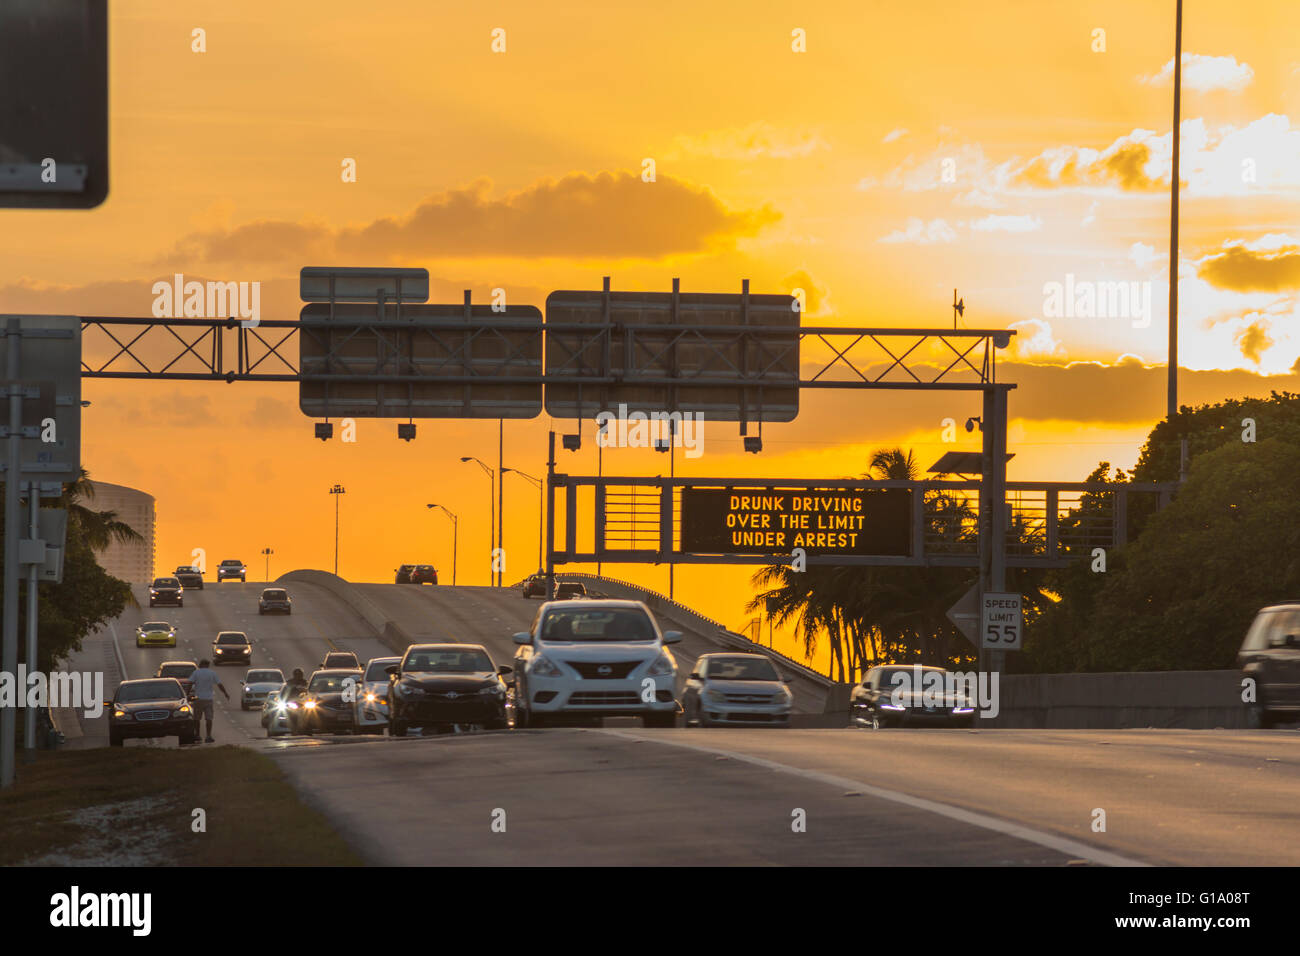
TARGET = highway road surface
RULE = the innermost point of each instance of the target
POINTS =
(682, 797)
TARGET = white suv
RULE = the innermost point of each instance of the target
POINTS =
(595, 659)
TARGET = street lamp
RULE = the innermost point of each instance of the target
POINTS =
(454, 523)
(337, 490)
(268, 552)
(492, 519)
(541, 510)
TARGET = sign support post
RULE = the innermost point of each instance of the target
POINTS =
(13, 521)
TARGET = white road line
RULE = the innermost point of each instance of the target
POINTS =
(1071, 848)
(118, 651)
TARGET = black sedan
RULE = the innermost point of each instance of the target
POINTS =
(189, 576)
(232, 647)
(156, 707)
(897, 695)
(274, 601)
(424, 574)
(403, 574)
(535, 584)
(441, 685)
(166, 591)
(328, 706)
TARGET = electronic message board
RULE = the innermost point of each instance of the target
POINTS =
(828, 521)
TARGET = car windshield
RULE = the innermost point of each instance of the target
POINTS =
(185, 570)
(448, 661)
(329, 683)
(231, 564)
(340, 660)
(166, 583)
(913, 673)
(741, 668)
(406, 567)
(276, 595)
(264, 677)
(156, 626)
(150, 690)
(597, 624)
(181, 671)
(231, 639)
(376, 670)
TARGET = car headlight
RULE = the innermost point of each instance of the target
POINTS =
(662, 667)
(370, 697)
(543, 667)
(292, 705)
(963, 710)
(119, 713)
(494, 688)
(310, 705)
(892, 707)
(183, 709)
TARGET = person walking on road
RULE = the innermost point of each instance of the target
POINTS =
(205, 682)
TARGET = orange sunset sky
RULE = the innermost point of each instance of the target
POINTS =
(913, 148)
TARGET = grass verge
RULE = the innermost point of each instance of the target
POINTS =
(135, 805)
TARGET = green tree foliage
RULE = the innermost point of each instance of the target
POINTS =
(88, 596)
(1182, 593)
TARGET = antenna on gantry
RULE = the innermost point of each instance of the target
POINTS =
(958, 308)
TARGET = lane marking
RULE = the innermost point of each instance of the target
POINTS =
(1063, 845)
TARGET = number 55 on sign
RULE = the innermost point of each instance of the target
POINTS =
(1000, 621)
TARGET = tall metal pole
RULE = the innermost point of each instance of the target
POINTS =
(336, 491)
(600, 455)
(672, 473)
(1173, 217)
(455, 533)
(13, 520)
(501, 484)
(550, 519)
(33, 579)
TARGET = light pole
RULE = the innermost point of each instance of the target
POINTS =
(492, 503)
(268, 552)
(337, 490)
(541, 509)
(454, 533)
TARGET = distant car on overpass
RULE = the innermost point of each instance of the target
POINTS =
(190, 576)
(230, 568)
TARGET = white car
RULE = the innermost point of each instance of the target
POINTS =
(275, 712)
(595, 659)
(372, 696)
(258, 683)
(736, 690)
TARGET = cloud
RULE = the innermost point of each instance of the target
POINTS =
(1205, 73)
(1269, 264)
(578, 216)
(1126, 163)
(754, 141)
(1141, 255)
(921, 233)
(894, 134)
(1034, 339)
(1253, 341)
(816, 296)
(1007, 224)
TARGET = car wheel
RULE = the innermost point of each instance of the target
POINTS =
(184, 740)
(1257, 717)
(659, 720)
(396, 728)
(114, 738)
(243, 706)
(180, 603)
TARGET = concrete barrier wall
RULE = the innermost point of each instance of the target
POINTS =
(1186, 699)
(385, 629)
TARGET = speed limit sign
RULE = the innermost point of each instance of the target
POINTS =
(1000, 621)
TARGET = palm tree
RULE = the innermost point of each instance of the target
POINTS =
(100, 528)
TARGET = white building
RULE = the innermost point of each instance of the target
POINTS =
(131, 561)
